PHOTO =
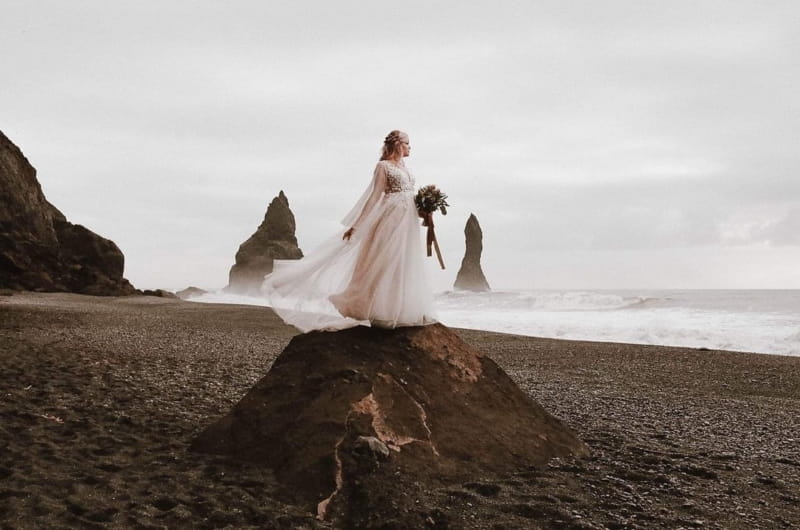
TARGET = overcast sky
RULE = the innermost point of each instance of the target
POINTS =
(600, 144)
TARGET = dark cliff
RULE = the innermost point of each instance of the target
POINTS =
(39, 249)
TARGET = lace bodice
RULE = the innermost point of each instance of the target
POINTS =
(398, 179)
(389, 183)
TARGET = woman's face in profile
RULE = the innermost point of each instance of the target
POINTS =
(405, 145)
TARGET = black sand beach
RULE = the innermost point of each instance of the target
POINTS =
(102, 396)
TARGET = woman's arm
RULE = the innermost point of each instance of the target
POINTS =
(378, 187)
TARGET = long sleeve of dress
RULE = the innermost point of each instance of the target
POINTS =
(369, 198)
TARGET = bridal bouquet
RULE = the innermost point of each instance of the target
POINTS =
(428, 200)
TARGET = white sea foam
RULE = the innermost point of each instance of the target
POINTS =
(222, 297)
(741, 320)
(755, 321)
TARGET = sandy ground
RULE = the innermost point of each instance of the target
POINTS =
(101, 397)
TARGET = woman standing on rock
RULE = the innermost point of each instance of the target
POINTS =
(374, 274)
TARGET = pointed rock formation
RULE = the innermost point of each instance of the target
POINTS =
(358, 423)
(39, 249)
(274, 239)
(470, 276)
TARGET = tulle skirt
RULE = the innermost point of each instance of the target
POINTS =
(377, 277)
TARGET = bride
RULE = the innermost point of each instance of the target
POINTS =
(372, 275)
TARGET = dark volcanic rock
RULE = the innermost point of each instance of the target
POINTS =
(470, 276)
(161, 293)
(274, 239)
(358, 422)
(39, 249)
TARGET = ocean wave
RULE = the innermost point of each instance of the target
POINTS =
(649, 303)
(539, 300)
(660, 326)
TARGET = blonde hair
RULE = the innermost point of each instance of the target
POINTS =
(391, 144)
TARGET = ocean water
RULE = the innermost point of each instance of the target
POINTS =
(762, 321)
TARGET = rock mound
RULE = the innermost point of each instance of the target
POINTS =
(359, 423)
(274, 239)
(470, 276)
(190, 292)
(39, 249)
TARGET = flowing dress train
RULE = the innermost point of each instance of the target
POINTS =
(377, 277)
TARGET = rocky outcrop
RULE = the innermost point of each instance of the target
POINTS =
(470, 276)
(358, 423)
(161, 293)
(274, 239)
(39, 249)
(190, 292)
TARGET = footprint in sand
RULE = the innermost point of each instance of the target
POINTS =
(164, 504)
(109, 467)
(487, 490)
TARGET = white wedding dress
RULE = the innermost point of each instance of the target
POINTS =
(377, 277)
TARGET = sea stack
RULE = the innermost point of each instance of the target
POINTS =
(359, 423)
(39, 249)
(274, 239)
(470, 276)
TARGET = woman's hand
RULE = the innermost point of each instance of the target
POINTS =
(347, 235)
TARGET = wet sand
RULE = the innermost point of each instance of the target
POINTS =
(101, 397)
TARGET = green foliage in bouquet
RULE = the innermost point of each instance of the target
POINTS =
(430, 198)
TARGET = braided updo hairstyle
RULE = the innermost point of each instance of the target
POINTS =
(391, 144)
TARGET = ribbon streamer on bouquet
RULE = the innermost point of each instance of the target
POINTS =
(431, 239)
